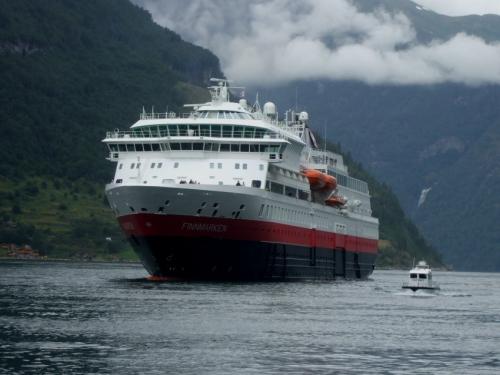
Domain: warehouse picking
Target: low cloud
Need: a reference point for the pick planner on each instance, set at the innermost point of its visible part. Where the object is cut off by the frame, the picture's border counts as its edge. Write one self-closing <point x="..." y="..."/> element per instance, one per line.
<point x="277" y="41"/>
<point x="462" y="7"/>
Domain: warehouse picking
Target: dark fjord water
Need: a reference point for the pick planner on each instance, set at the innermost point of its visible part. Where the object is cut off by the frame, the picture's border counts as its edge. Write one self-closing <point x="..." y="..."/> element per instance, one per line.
<point x="71" y="318"/>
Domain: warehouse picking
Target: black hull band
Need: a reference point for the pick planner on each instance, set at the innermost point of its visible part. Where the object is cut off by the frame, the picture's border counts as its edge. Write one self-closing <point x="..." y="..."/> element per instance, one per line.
<point x="213" y="259"/>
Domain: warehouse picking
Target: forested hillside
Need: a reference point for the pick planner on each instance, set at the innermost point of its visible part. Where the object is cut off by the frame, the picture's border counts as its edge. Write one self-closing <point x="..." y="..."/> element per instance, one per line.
<point x="71" y="70"/>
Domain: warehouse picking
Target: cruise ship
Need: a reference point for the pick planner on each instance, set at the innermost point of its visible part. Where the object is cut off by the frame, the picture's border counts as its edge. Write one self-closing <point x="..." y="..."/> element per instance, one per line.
<point x="229" y="191"/>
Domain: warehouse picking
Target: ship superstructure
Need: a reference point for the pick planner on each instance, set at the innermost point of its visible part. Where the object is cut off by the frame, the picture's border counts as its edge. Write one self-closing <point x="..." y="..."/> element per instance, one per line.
<point x="229" y="191"/>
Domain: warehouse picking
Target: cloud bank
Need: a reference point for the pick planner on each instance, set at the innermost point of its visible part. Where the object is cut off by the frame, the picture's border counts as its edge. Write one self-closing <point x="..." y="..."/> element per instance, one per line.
<point x="277" y="41"/>
<point x="462" y="7"/>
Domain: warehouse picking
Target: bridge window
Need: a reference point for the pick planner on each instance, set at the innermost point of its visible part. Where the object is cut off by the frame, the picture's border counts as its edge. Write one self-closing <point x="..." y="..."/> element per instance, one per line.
<point x="245" y="148"/>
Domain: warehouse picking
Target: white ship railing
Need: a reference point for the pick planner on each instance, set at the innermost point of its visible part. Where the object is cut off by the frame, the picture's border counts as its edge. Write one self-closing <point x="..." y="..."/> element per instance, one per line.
<point x="139" y="133"/>
<point x="165" y="115"/>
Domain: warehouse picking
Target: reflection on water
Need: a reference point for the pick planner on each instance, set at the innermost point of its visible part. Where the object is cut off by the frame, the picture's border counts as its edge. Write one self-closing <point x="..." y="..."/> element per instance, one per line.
<point x="104" y="318"/>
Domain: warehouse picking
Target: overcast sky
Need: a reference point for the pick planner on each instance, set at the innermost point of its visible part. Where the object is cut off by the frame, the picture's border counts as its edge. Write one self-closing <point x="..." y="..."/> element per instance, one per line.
<point x="278" y="41"/>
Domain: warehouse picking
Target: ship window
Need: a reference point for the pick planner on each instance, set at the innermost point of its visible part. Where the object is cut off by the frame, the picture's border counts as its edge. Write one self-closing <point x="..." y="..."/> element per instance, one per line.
<point x="221" y="183"/>
<point x="238" y="132"/>
<point x="153" y="165"/>
<point x="261" y="167"/>
<point x="422" y="276"/>
<point x="122" y="147"/>
<point x="216" y="132"/>
<point x="144" y="209"/>
<point x="235" y="148"/>
<point x="227" y="131"/>
<point x="167" y="203"/>
<point x="186" y="146"/>
<point x="413" y="275"/>
<point x="237" y="166"/>
<point x="215" y="205"/>
<point x="242" y="207"/>
<point x="120" y="166"/>
<point x="176" y="164"/>
<point x="113" y="147"/>
<point x="130" y="147"/>
<point x="214" y="213"/>
<point x="291" y="192"/>
<point x="244" y="165"/>
<point x="212" y="165"/>
<point x="119" y="181"/>
<point x="224" y="147"/>
<point x="245" y="148"/>
<point x="132" y="166"/>
<point x="182" y="130"/>
<point x="254" y="148"/>
<point x="175" y="146"/>
<point x="156" y="146"/>
<point x="256" y="183"/>
<point x="138" y="147"/>
<point x="160" y="165"/>
<point x="147" y="147"/>
<point x="131" y="208"/>
<point x="249" y="132"/>
<point x="138" y="165"/>
<point x="276" y="188"/>
<point x="160" y="209"/>
<point x="205" y="130"/>
<point x="219" y="165"/>
<point x="197" y="146"/>
<point x="210" y="147"/>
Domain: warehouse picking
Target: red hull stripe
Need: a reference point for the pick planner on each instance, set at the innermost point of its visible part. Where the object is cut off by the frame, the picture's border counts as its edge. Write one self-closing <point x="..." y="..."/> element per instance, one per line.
<point x="238" y="229"/>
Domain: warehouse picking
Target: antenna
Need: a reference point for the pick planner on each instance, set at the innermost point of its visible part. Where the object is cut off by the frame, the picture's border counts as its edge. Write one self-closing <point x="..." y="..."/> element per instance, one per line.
<point x="324" y="131"/>
<point x="296" y="98"/>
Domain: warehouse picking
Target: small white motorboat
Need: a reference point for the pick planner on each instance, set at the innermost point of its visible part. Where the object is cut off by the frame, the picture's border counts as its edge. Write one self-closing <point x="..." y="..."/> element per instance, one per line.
<point x="420" y="277"/>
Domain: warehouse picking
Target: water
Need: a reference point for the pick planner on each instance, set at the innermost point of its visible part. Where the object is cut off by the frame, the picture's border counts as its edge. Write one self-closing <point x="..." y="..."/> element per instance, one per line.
<point x="63" y="318"/>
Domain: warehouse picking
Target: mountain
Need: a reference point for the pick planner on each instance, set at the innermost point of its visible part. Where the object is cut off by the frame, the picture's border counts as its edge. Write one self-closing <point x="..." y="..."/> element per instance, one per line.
<point x="72" y="70"/>
<point x="437" y="144"/>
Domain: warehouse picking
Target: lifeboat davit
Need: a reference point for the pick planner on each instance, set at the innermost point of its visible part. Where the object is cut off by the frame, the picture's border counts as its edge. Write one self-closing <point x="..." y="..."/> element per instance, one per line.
<point x="335" y="201"/>
<point x="320" y="181"/>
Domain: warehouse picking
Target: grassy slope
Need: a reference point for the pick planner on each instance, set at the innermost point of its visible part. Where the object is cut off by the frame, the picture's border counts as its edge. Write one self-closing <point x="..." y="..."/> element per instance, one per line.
<point x="61" y="219"/>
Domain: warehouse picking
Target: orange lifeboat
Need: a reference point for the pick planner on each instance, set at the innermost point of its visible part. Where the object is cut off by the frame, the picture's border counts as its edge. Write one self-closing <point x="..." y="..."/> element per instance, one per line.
<point x="320" y="181"/>
<point x="335" y="201"/>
